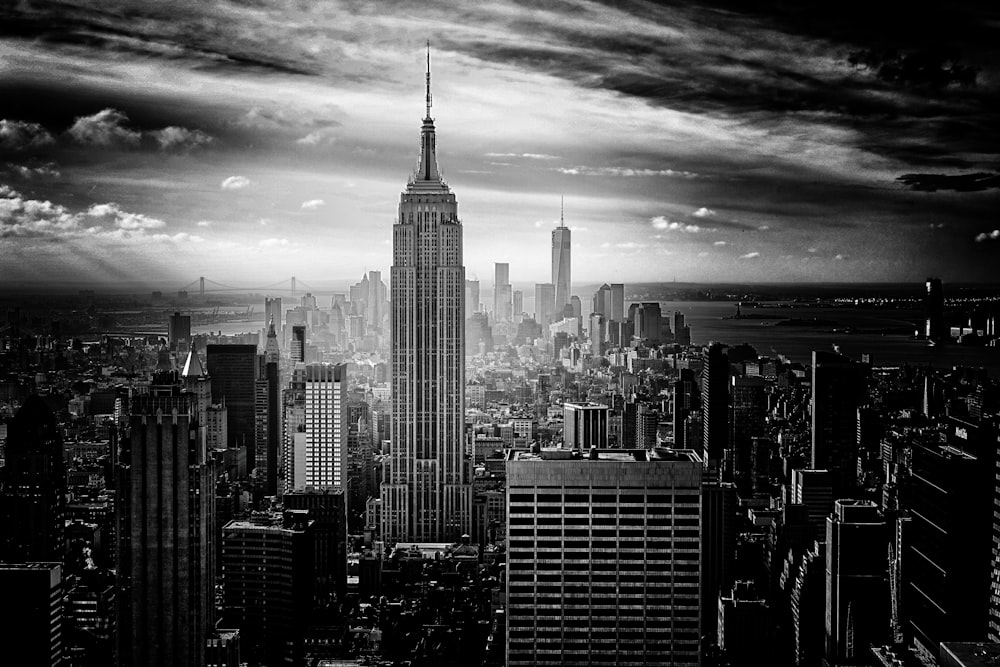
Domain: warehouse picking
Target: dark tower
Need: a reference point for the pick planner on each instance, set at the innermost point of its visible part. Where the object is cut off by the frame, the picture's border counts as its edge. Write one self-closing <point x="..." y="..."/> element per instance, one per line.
<point x="166" y="563"/>
<point x="714" y="406"/>
<point x="33" y="487"/>
<point x="233" y="371"/>
<point x="934" y="328"/>
<point x="837" y="385"/>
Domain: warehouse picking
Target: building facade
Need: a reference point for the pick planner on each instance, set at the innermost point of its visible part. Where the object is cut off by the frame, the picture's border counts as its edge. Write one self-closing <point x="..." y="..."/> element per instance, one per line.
<point x="427" y="495"/>
<point x="603" y="558"/>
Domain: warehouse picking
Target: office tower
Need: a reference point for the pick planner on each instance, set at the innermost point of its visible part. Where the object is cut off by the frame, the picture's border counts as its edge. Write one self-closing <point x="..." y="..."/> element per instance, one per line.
<point x="577" y="306"/>
<point x="814" y="490"/>
<point x="32" y="627"/>
<point x="618" y="302"/>
<point x="196" y="381"/>
<point x="934" y="325"/>
<point x="622" y="584"/>
<point x="647" y="321"/>
<point x="427" y="495"/>
<point x="328" y="508"/>
<point x="948" y="543"/>
<point x="233" y="369"/>
<point x="748" y="410"/>
<point x="857" y="584"/>
<point x="544" y="304"/>
<point x="519" y="303"/>
<point x="714" y="405"/>
<point x="471" y="297"/>
<point x="179" y="332"/>
<point x="297" y="349"/>
<point x="561" y="266"/>
<point x="267" y="584"/>
<point x="33" y="487"/>
<point x="166" y="558"/>
<point x="602" y="301"/>
<point x="838" y="385"/>
<point x="325" y="428"/>
<point x="682" y="401"/>
<point x="585" y="426"/>
<point x="647" y="422"/>
<point x="501" y="292"/>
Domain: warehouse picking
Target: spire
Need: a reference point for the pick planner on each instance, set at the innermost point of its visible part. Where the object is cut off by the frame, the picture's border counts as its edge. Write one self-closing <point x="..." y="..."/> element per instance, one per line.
<point x="270" y="328"/>
<point x="427" y="174"/>
<point x="192" y="366"/>
<point x="428" y="116"/>
<point x="562" y="210"/>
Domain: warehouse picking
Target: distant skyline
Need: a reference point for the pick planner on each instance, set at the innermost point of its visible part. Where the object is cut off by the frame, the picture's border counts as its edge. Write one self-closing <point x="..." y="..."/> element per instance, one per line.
<point x="159" y="142"/>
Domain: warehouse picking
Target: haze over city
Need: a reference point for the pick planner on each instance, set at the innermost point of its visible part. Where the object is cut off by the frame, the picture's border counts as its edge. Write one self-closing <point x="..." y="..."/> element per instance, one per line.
<point x="708" y="142"/>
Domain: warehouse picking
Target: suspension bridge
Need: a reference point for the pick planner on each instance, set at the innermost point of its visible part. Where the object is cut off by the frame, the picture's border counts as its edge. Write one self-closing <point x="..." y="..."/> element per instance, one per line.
<point x="203" y="286"/>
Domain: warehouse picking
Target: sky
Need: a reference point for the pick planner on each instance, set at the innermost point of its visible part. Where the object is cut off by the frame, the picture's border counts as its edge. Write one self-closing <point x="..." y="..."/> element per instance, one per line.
<point x="250" y="141"/>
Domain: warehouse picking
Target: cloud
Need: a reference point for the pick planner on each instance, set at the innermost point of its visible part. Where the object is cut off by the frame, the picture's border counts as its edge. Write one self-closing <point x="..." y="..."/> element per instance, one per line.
<point x="924" y="68"/>
<point x="988" y="236"/>
<point x="235" y="183"/>
<point x="104" y="128"/>
<point x="528" y="156"/>
<point x="719" y="243"/>
<point x="123" y="219"/>
<point x="750" y="255"/>
<point x="204" y="223"/>
<point x="703" y="213"/>
<point x="273" y="243"/>
<point x="578" y="229"/>
<point x="180" y="138"/>
<point x="813" y="250"/>
<point x="317" y="137"/>
<point x="838" y="257"/>
<point x="28" y="171"/>
<point x="18" y="135"/>
<point x="660" y="222"/>
<point x="312" y="204"/>
<point x="764" y="228"/>
<point x="960" y="183"/>
<point x="623" y="171"/>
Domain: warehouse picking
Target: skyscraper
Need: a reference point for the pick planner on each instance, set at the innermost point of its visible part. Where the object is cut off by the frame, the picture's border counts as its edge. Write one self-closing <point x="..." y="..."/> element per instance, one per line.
<point x="471" y="297"/>
<point x="32" y="626"/>
<point x="33" y="487"/>
<point x="621" y="584"/>
<point x="501" y="292"/>
<point x="857" y="585"/>
<point x="715" y="405"/>
<point x="544" y="309"/>
<point x="427" y="495"/>
<point x="325" y="426"/>
<point x="934" y="327"/>
<point x="618" y="302"/>
<point x="166" y="557"/>
<point x="837" y="385"/>
<point x="561" y="276"/>
<point x="233" y="371"/>
<point x="585" y="426"/>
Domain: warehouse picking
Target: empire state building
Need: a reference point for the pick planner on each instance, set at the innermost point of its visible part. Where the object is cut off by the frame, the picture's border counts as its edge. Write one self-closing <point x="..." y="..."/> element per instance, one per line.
<point x="427" y="495"/>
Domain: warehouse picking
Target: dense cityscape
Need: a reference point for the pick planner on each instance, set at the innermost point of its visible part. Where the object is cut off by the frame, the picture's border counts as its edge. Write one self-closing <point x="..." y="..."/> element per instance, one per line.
<point x="428" y="469"/>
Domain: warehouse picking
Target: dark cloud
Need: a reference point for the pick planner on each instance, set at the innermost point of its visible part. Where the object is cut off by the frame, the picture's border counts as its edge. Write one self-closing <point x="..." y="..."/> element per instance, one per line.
<point x="16" y="135"/>
<point x="961" y="183"/>
<point x="932" y="69"/>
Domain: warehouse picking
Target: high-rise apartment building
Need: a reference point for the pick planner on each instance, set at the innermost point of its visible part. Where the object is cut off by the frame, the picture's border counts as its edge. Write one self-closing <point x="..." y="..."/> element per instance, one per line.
<point x="33" y="487"/>
<point x="325" y="426"/>
<point x="561" y="267"/>
<point x="603" y="557"/>
<point x="427" y="493"/>
<point x="166" y="554"/>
